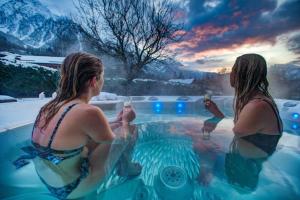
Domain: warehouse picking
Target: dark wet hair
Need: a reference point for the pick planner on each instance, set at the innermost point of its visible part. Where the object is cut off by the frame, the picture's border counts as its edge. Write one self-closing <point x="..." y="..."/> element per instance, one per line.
<point x="250" y="76"/>
<point x="76" y="70"/>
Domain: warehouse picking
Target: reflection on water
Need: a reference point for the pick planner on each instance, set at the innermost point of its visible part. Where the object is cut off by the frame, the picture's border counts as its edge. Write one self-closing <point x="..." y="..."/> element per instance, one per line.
<point x="174" y="154"/>
<point x="218" y="167"/>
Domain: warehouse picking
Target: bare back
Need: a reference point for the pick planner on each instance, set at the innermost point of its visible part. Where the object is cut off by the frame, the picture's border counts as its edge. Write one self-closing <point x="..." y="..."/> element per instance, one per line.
<point x="69" y="134"/>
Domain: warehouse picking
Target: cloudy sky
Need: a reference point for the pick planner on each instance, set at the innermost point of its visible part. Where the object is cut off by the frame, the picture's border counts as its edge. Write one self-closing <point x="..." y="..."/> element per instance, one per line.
<point x="217" y="31"/>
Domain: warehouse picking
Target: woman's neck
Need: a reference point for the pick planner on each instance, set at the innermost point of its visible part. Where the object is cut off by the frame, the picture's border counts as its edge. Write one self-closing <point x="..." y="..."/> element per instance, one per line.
<point x="85" y="98"/>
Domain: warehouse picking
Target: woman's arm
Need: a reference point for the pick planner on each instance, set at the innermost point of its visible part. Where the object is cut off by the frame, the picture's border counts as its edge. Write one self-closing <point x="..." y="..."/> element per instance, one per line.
<point x="91" y="144"/>
<point x="99" y="129"/>
<point x="96" y="126"/>
<point x="213" y="108"/>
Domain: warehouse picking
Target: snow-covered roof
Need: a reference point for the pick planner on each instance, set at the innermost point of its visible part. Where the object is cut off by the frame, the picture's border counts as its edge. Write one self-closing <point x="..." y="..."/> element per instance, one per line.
<point x="182" y="81"/>
<point x="42" y="59"/>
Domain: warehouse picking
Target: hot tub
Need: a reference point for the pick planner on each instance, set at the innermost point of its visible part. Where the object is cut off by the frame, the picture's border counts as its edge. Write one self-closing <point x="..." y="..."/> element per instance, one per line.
<point x="178" y="162"/>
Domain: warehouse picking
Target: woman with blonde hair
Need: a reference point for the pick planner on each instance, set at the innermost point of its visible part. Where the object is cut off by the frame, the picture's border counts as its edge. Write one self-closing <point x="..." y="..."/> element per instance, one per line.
<point x="71" y="139"/>
<point x="256" y="117"/>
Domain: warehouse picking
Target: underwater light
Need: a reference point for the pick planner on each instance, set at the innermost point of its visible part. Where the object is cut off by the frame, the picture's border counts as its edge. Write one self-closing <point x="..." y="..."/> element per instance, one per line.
<point x="295" y="126"/>
<point x="180" y="107"/>
<point x="296" y="115"/>
<point x="157" y="107"/>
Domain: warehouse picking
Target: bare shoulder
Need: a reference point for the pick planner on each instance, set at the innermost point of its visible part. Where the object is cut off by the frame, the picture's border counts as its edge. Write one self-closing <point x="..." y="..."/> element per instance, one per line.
<point x="256" y="107"/>
<point x="88" y="108"/>
<point x="86" y="112"/>
<point x="252" y="118"/>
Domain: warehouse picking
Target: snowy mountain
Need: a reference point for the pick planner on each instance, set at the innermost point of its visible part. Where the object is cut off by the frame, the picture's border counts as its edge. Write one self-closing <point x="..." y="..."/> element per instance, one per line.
<point x="285" y="80"/>
<point x="31" y="26"/>
<point x="287" y="71"/>
<point x="171" y="69"/>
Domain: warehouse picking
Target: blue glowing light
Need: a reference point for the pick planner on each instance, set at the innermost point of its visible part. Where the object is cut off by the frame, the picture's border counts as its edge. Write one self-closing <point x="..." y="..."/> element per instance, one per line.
<point x="157" y="107"/>
<point x="180" y="107"/>
<point x="296" y="115"/>
<point x="295" y="126"/>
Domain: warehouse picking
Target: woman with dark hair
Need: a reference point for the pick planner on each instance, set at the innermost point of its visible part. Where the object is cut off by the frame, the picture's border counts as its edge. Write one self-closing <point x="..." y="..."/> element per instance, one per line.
<point x="71" y="139"/>
<point x="257" y="124"/>
<point x="256" y="117"/>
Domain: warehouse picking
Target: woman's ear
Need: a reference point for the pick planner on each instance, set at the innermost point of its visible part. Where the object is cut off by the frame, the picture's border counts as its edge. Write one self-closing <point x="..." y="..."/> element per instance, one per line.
<point x="93" y="81"/>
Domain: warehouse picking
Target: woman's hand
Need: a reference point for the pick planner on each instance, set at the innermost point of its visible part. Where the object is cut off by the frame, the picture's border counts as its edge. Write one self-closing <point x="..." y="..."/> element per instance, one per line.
<point x="213" y="108"/>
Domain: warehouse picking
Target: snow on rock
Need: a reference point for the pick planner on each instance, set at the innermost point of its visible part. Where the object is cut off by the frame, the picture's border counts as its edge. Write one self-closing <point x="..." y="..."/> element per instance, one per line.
<point x="54" y="94"/>
<point x="105" y="96"/>
<point x="42" y="95"/>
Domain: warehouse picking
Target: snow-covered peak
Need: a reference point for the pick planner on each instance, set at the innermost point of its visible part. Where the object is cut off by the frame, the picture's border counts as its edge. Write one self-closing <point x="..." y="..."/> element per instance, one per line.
<point x="24" y="9"/>
<point x="29" y="24"/>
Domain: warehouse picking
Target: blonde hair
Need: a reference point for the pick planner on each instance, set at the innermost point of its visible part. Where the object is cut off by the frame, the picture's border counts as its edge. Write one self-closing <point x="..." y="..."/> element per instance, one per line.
<point x="250" y="77"/>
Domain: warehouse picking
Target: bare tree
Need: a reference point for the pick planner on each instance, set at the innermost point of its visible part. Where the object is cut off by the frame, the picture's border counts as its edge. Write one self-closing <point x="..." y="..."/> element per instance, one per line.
<point x="135" y="31"/>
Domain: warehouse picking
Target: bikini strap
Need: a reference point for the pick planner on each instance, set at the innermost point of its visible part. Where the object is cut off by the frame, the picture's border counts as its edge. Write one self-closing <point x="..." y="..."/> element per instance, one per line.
<point x="59" y="122"/>
<point x="279" y="122"/>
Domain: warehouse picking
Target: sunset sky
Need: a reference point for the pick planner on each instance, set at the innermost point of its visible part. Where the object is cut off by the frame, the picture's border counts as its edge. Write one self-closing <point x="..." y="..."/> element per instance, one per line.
<point x="217" y="31"/>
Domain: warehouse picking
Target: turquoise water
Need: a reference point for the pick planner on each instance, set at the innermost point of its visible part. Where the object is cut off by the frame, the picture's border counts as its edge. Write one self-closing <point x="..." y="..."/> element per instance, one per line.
<point x="178" y="162"/>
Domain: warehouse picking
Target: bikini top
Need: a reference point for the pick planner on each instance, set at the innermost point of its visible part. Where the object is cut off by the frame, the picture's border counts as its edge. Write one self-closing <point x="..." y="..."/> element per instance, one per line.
<point x="48" y="153"/>
<point x="266" y="142"/>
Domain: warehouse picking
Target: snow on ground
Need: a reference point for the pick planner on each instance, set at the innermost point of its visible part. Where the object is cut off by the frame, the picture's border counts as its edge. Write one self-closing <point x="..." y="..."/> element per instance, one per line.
<point x="15" y="114"/>
<point x="29" y="61"/>
<point x="5" y="97"/>
<point x="41" y="59"/>
<point x="24" y="111"/>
